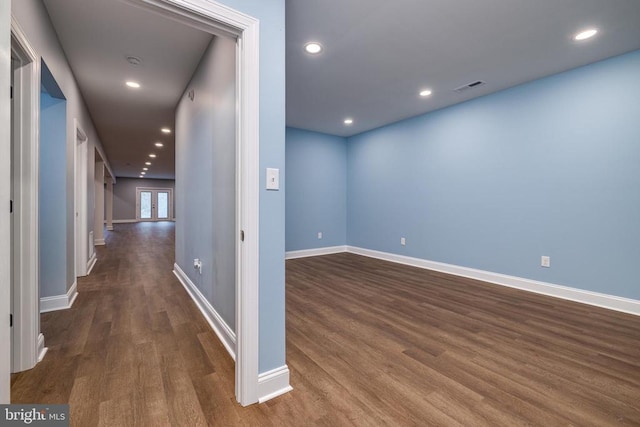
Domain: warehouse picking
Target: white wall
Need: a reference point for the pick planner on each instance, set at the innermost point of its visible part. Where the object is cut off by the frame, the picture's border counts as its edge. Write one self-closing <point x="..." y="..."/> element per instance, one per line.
<point x="205" y="178"/>
<point x="34" y="20"/>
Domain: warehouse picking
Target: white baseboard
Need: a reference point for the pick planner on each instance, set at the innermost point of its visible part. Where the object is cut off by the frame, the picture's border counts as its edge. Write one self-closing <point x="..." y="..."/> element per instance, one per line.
<point x="92" y="262"/>
<point x="273" y="384"/>
<point x="42" y="350"/>
<point x="59" y="302"/>
<point x="72" y="293"/>
<point x="315" y="252"/>
<point x="611" y="302"/>
<point x="226" y="335"/>
<point x="98" y="242"/>
<point x="123" y="221"/>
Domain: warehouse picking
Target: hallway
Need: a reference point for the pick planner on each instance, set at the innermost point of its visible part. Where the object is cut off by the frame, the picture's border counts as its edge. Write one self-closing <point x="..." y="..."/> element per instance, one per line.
<point x="133" y="349"/>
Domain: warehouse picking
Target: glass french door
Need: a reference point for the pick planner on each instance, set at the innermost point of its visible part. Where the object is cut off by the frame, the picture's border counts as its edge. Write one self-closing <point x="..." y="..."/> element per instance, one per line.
<point x="154" y="204"/>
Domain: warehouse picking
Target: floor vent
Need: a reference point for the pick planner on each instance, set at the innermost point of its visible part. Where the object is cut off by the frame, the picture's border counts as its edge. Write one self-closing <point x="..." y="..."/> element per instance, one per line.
<point x="470" y="86"/>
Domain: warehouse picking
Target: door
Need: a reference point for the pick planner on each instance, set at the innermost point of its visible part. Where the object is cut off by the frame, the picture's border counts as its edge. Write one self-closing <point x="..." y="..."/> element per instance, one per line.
<point x="154" y="204"/>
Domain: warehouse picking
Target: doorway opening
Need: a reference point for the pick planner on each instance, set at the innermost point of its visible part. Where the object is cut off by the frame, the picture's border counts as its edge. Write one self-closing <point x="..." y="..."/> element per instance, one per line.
<point x="220" y="20"/>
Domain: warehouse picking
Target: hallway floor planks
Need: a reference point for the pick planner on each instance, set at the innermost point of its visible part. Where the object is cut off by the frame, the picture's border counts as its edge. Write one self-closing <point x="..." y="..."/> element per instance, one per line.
<point x="368" y="343"/>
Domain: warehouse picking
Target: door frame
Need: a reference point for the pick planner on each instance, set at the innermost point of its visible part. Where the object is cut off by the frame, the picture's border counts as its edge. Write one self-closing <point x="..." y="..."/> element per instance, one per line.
<point x="5" y="194"/>
<point x="221" y="20"/>
<point x="80" y="208"/>
<point x="27" y="341"/>
<point x="154" y="216"/>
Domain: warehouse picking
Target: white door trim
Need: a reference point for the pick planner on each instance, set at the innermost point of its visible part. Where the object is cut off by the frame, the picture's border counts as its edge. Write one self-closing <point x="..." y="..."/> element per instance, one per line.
<point x="5" y="194"/>
<point x="26" y="312"/>
<point x="80" y="174"/>
<point x="218" y="19"/>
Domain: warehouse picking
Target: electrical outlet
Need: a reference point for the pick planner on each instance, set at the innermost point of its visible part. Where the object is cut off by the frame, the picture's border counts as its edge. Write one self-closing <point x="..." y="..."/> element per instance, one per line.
<point x="319" y="235"/>
<point x="403" y="241"/>
<point x="197" y="264"/>
<point x="545" y="261"/>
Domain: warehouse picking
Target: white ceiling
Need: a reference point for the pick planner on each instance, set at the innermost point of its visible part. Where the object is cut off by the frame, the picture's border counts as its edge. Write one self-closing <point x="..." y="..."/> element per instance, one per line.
<point x="377" y="55"/>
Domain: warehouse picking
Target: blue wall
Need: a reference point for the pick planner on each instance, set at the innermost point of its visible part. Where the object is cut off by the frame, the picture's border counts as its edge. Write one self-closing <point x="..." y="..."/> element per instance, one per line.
<point x="271" y="14"/>
<point x="53" y="196"/>
<point x="205" y="178"/>
<point x="316" y="190"/>
<point x="551" y="167"/>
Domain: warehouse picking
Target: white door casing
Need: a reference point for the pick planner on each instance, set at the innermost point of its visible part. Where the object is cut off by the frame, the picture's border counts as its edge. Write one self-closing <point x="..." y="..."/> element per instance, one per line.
<point x="25" y="253"/>
<point x="5" y="191"/>
<point x="218" y="19"/>
<point x="80" y="160"/>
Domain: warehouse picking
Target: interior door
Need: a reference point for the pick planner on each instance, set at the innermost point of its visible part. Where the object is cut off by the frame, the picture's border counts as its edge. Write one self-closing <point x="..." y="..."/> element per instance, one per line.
<point x="154" y="204"/>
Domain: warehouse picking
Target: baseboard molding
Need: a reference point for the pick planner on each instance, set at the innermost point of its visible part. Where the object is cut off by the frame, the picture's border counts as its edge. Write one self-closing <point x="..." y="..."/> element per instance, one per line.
<point x="92" y="262"/>
<point x="273" y="384"/>
<point x="98" y="242"/>
<point x="72" y="293"/>
<point x="59" y="302"/>
<point x="42" y="350"/>
<point x="611" y="302"/>
<point x="315" y="252"/>
<point x="226" y="335"/>
<point x="123" y="221"/>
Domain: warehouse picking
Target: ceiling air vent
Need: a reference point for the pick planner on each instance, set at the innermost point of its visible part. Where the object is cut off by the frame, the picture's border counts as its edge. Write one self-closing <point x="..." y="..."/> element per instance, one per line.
<point x="470" y="86"/>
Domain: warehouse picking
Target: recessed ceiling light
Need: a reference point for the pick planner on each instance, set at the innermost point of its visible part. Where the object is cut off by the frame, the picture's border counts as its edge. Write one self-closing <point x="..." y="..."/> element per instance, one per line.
<point x="152" y="155"/>
<point x="425" y="92"/>
<point x="165" y="130"/>
<point x="145" y="169"/>
<point x="133" y="85"/>
<point x="586" y="34"/>
<point x="348" y="121"/>
<point x="141" y="176"/>
<point x="313" y="48"/>
<point x="159" y="144"/>
<point x="142" y="173"/>
<point x="147" y="163"/>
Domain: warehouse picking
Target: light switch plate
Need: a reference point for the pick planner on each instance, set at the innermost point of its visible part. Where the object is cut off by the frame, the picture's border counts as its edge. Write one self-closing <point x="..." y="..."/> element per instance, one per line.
<point x="273" y="179"/>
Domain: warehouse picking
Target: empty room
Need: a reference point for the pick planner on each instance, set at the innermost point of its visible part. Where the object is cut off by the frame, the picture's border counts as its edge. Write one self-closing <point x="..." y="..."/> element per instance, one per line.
<point x="276" y="212"/>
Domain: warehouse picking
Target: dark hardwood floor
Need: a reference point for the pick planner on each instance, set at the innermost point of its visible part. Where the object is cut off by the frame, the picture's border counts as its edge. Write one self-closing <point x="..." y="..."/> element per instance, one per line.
<point x="368" y="343"/>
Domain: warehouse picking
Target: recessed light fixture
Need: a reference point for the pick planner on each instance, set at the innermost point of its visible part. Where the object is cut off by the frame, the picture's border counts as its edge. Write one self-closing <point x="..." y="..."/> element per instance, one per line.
<point x="165" y="130"/>
<point x="142" y="173"/>
<point x="152" y="155"/>
<point x="425" y="92"/>
<point x="348" y="121"/>
<point x="159" y="144"/>
<point x="586" y="34"/>
<point x="313" y="48"/>
<point x="141" y="176"/>
<point x="147" y="163"/>
<point x="145" y="169"/>
<point x="133" y="85"/>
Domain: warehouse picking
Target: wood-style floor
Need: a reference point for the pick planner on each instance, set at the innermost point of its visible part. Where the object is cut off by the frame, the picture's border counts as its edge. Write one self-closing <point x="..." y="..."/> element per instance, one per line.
<point x="368" y="343"/>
